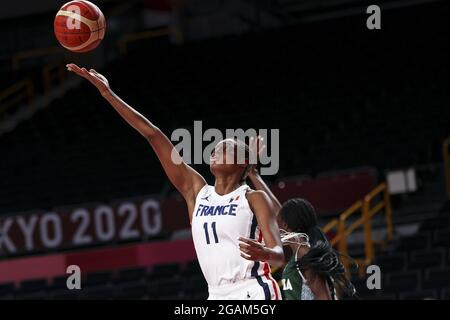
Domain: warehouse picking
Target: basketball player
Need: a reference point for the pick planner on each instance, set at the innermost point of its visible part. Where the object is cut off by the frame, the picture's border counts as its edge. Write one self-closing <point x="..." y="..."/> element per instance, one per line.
<point x="228" y="220"/>
<point x="314" y="271"/>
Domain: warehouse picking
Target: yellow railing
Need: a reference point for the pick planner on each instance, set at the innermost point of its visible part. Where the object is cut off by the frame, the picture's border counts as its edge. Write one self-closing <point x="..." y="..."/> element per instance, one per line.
<point x="20" y="92"/>
<point x="365" y="221"/>
<point x="446" y="156"/>
<point x="126" y="39"/>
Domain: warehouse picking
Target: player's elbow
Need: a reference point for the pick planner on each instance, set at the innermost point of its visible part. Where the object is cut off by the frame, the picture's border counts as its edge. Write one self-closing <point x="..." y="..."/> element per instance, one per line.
<point x="277" y="257"/>
<point x="150" y="132"/>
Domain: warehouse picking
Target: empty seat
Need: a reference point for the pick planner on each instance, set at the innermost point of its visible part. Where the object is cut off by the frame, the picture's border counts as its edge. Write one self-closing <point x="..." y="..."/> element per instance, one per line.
<point x="99" y="292"/>
<point x="192" y="268"/>
<point x="416" y="242"/>
<point x="152" y="288"/>
<point x="436" y="278"/>
<point x="420" y="295"/>
<point x="445" y="293"/>
<point x="169" y="286"/>
<point x="32" y="286"/>
<point x="442" y="238"/>
<point x="58" y="283"/>
<point x="435" y="223"/>
<point x="201" y="295"/>
<point x="40" y="295"/>
<point x="165" y="270"/>
<point x="194" y="284"/>
<point x="402" y="281"/>
<point x="6" y="289"/>
<point x="131" y="291"/>
<point x="97" y="278"/>
<point x="131" y="274"/>
<point x="425" y="259"/>
<point x="65" y="294"/>
<point x="382" y="296"/>
<point x="393" y="262"/>
<point x="175" y="296"/>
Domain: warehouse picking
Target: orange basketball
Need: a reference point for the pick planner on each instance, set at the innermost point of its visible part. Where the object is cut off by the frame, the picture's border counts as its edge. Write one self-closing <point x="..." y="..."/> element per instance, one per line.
<point x="79" y="26"/>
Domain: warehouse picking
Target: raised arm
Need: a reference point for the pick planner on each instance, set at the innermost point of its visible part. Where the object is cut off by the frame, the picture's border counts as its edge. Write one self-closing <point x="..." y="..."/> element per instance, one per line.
<point x="257" y="146"/>
<point x="272" y="249"/>
<point x="187" y="181"/>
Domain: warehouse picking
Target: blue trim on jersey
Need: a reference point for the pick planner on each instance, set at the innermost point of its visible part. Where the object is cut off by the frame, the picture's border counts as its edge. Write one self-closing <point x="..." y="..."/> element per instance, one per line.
<point x="254" y="272"/>
<point x="253" y="227"/>
<point x="265" y="287"/>
<point x="255" y="267"/>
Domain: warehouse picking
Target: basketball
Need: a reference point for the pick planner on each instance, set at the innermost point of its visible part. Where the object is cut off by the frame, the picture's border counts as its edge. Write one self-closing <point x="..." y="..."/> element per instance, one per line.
<point x="79" y="26"/>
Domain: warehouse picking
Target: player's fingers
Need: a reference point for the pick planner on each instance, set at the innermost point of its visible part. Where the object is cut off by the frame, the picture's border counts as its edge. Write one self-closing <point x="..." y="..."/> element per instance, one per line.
<point x="95" y="73"/>
<point x="247" y="257"/>
<point x="99" y="76"/>
<point x="251" y="242"/>
<point x="74" y="68"/>
<point x="82" y="72"/>
<point x="245" y="251"/>
<point x="246" y="240"/>
<point x="250" y="251"/>
<point x="85" y="72"/>
<point x="261" y="149"/>
<point x="243" y="245"/>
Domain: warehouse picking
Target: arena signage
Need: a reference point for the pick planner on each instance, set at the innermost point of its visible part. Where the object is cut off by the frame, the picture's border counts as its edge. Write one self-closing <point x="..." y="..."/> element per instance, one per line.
<point x="80" y="226"/>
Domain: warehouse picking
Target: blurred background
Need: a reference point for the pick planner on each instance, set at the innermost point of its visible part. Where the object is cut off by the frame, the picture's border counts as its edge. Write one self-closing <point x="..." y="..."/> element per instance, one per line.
<point x="363" y="117"/>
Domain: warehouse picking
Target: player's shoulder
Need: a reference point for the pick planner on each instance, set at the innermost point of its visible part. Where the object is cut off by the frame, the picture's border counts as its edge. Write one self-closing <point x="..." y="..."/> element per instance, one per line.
<point x="256" y="196"/>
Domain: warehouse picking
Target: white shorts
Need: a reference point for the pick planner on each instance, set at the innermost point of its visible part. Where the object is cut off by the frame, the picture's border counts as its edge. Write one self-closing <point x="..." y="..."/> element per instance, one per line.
<point x="259" y="288"/>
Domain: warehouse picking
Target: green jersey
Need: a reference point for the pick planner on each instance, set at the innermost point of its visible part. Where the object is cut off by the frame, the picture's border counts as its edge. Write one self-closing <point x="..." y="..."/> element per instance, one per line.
<point x="294" y="285"/>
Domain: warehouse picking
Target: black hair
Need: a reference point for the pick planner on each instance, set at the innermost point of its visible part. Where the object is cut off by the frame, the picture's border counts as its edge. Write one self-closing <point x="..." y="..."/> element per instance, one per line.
<point x="300" y="216"/>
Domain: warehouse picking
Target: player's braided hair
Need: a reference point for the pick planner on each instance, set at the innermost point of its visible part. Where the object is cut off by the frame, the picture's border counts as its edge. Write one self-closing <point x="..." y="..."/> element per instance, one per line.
<point x="322" y="259"/>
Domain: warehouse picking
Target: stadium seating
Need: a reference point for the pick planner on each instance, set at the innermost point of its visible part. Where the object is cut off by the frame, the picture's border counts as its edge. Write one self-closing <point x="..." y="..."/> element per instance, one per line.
<point x="82" y="139"/>
<point x="409" y="271"/>
<point x="418" y="266"/>
<point x="79" y="150"/>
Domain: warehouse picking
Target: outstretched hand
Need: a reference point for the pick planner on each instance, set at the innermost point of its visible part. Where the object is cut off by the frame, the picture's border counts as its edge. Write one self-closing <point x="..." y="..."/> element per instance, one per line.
<point x="257" y="145"/>
<point x="98" y="80"/>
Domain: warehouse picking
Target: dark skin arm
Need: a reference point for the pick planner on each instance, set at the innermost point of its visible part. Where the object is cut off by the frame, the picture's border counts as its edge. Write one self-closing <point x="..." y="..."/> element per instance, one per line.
<point x="257" y="146"/>
<point x="259" y="184"/>
<point x="272" y="249"/>
<point x="185" y="179"/>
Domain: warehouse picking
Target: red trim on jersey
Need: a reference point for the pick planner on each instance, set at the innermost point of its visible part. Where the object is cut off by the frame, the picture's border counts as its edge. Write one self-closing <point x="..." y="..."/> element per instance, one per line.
<point x="260" y="236"/>
<point x="269" y="277"/>
<point x="267" y="271"/>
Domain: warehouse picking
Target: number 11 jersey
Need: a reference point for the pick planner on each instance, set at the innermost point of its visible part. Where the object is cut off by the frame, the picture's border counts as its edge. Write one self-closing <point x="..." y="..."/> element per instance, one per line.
<point x="217" y="223"/>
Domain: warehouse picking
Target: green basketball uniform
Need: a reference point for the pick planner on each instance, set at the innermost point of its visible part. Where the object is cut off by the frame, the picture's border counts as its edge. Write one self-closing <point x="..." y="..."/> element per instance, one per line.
<point x="294" y="284"/>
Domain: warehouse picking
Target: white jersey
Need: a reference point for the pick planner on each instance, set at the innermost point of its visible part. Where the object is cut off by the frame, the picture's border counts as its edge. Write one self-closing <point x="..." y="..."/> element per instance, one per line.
<point x="217" y="223"/>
